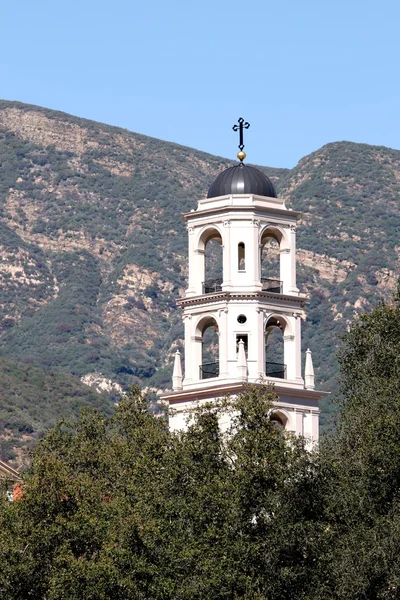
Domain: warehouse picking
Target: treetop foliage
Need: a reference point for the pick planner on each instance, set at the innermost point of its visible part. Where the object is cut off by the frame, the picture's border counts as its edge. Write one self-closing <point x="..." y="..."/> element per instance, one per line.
<point x="119" y="507"/>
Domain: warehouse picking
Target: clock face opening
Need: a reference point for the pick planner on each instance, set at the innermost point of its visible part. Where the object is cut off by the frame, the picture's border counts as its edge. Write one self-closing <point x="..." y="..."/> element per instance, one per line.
<point x="242" y="319"/>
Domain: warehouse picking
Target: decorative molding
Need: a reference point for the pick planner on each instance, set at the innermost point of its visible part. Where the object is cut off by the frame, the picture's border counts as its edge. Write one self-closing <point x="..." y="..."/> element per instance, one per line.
<point x="274" y="299"/>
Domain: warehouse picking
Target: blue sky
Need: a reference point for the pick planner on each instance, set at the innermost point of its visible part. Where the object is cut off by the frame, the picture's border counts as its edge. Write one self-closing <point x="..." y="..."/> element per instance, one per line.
<point x="302" y="72"/>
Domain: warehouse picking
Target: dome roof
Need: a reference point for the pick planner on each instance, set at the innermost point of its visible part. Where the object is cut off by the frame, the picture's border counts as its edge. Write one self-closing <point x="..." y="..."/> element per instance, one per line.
<point x="241" y="179"/>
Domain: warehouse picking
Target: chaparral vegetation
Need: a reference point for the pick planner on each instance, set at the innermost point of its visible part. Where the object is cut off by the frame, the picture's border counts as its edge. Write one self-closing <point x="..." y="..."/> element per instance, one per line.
<point x="94" y="253"/>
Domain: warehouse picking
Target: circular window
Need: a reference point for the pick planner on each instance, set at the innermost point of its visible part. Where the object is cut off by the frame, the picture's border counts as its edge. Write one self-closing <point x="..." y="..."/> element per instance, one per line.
<point x="242" y="319"/>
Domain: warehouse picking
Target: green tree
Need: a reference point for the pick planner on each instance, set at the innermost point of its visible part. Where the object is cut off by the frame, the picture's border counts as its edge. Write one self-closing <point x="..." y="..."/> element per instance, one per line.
<point x="121" y="508"/>
<point x="274" y="480"/>
<point x="361" y="463"/>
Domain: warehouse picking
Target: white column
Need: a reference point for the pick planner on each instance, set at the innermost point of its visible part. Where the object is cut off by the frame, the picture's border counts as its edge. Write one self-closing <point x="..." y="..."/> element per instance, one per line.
<point x="311" y="427"/>
<point x="260" y="340"/>
<point x="297" y="335"/>
<point x="189" y="349"/>
<point x="256" y="256"/>
<point x="284" y="269"/>
<point x="223" y="343"/>
<point x="226" y="256"/>
<point x="288" y="263"/>
<point x="292" y="350"/>
<point x="289" y="352"/>
<point x="191" y="289"/>
<point x="299" y="422"/>
<point x="292" y="288"/>
<point x="315" y="426"/>
<point x="197" y="354"/>
<point x="197" y="275"/>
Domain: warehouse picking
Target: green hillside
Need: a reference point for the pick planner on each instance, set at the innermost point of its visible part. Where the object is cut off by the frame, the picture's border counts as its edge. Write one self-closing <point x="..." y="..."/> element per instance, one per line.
<point x="32" y="400"/>
<point x="93" y="247"/>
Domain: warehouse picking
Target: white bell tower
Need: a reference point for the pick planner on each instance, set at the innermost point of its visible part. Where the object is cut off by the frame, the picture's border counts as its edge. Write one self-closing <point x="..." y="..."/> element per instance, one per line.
<point x="241" y="308"/>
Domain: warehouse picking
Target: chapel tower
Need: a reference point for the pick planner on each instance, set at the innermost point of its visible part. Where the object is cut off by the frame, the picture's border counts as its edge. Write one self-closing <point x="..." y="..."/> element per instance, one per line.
<point x="243" y="327"/>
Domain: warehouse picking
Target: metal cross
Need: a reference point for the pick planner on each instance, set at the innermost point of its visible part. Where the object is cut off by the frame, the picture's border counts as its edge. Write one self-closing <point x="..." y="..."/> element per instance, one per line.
<point x="242" y="125"/>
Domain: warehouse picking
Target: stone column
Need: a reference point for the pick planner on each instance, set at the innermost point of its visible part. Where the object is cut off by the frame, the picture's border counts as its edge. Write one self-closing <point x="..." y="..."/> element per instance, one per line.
<point x="226" y="256"/>
<point x="223" y="343"/>
<point x="190" y="356"/>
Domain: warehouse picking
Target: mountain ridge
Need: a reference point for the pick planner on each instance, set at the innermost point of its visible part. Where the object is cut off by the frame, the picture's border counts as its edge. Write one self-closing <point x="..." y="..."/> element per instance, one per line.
<point x="93" y="246"/>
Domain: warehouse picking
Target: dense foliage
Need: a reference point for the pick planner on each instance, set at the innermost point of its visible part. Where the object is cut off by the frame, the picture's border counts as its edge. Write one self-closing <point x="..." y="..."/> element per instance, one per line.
<point x="362" y="462"/>
<point x="121" y="508"/>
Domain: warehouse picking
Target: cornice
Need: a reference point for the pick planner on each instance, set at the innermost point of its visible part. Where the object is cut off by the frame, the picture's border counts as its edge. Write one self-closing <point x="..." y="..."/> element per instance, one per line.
<point x="223" y="210"/>
<point x="220" y="390"/>
<point x="297" y="301"/>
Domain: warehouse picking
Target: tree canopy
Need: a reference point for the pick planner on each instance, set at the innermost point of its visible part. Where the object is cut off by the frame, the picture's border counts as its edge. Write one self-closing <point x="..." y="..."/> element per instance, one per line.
<point x="362" y="461"/>
<point x="121" y="508"/>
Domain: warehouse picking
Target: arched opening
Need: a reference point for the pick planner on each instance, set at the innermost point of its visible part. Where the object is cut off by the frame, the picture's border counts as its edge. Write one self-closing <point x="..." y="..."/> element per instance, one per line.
<point x="209" y="349"/>
<point x="241" y="257"/>
<point x="279" y="420"/>
<point x="274" y="348"/>
<point x="213" y="266"/>
<point x="270" y="260"/>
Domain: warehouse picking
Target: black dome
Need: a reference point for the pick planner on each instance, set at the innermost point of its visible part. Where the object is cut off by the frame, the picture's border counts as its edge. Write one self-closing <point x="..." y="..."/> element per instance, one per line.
<point x="241" y="179"/>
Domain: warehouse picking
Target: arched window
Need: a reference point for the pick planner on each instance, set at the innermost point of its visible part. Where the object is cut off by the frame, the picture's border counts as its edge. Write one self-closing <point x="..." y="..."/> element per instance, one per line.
<point x="209" y="350"/>
<point x="274" y="349"/>
<point x="241" y="257"/>
<point x="213" y="274"/>
<point x="278" y="420"/>
<point x="270" y="263"/>
<point x="270" y="260"/>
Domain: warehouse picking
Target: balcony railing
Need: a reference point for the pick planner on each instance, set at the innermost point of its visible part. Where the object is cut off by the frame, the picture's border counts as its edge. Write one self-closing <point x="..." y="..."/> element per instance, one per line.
<point x="209" y="370"/>
<point x="271" y="285"/>
<point x="212" y="285"/>
<point x="277" y="370"/>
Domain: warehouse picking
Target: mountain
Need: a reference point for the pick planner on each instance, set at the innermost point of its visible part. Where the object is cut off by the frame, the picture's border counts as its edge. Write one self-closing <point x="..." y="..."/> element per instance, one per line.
<point x="34" y="399"/>
<point x="93" y="245"/>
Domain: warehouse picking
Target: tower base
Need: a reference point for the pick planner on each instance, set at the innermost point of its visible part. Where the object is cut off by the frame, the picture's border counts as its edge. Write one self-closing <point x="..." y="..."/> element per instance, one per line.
<point x="297" y="409"/>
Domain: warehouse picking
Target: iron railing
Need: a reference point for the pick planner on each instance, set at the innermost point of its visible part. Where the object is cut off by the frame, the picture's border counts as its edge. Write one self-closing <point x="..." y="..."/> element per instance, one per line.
<point x="209" y="370"/>
<point x="271" y="285"/>
<point x="212" y="285"/>
<point x="277" y="370"/>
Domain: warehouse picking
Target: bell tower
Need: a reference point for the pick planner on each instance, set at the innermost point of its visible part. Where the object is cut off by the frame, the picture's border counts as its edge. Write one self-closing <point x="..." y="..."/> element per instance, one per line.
<point x="241" y="326"/>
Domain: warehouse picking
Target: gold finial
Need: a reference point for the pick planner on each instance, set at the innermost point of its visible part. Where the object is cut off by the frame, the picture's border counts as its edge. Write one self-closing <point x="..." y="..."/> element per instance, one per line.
<point x="241" y="155"/>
